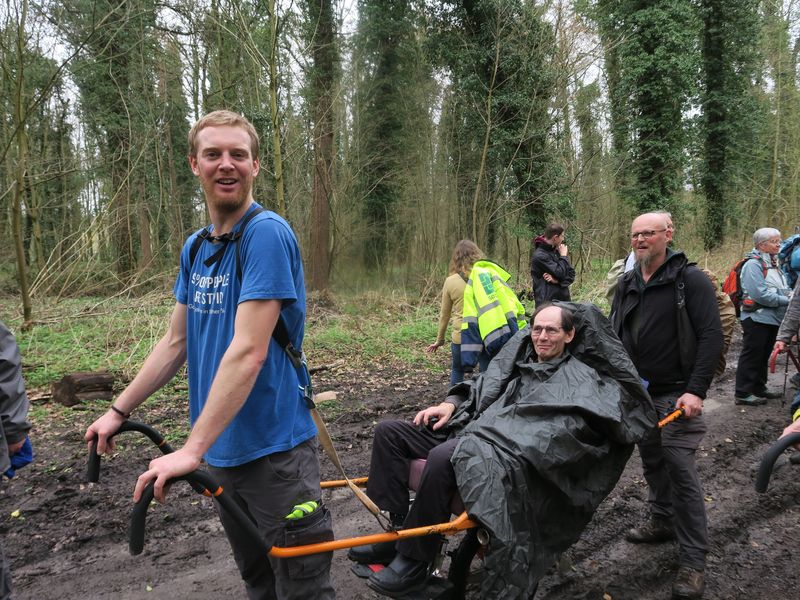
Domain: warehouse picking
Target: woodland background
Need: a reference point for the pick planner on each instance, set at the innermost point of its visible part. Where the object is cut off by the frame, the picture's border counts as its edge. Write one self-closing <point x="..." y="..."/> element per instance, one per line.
<point x="390" y="129"/>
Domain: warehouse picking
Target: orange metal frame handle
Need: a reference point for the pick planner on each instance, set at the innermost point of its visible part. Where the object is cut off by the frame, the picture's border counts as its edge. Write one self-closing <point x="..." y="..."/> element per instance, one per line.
<point x="670" y="418"/>
<point x="359" y="481"/>
<point x="460" y="523"/>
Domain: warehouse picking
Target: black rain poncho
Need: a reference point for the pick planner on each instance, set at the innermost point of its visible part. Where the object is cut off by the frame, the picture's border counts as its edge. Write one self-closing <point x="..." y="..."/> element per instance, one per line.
<point x="542" y="444"/>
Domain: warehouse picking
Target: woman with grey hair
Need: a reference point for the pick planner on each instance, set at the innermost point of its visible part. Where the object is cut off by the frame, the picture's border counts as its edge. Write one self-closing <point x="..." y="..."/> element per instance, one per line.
<point x="765" y="297"/>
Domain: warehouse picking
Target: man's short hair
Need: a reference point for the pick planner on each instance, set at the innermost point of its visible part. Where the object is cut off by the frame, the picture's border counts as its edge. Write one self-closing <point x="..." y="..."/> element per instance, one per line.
<point x="223" y="118"/>
<point x="553" y="229"/>
<point x="567" y="316"/>
<point x="763" y="234"/>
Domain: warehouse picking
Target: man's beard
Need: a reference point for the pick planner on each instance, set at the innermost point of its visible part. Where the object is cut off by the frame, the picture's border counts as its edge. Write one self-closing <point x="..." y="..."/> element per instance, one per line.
<point x="644" y="259"/>
<point x="227" y="204"/>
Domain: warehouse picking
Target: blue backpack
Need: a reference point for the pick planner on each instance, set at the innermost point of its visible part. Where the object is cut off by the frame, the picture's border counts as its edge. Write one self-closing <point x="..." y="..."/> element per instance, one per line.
<point x="789" y="258"/>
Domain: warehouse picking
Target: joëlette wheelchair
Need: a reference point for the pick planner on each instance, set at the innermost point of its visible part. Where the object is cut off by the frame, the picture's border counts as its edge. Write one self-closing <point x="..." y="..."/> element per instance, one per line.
<point x="440" y="585"/>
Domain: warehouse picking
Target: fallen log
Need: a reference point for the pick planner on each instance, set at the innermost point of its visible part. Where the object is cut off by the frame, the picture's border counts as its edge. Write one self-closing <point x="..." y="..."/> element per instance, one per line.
<point x="320" y="368"/>
<point x="77" y="387"/>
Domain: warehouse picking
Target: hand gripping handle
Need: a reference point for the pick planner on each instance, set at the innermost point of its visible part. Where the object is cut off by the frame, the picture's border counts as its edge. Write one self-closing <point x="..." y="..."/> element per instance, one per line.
<point x="198" y="480"/>
<point x="774" y="451"/>
<point x="93" y="466"/>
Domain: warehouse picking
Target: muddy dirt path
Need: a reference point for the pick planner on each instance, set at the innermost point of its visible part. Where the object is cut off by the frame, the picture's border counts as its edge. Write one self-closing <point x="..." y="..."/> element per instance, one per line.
<point x="70" y="538"/>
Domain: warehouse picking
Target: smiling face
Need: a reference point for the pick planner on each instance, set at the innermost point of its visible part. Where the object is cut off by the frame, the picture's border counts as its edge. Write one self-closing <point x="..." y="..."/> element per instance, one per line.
<point x="225" y="166"/>
<point x="548" y="335"/>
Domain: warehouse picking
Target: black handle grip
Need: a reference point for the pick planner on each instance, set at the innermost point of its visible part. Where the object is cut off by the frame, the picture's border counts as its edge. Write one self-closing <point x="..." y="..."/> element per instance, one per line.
<point x="774" y="451"/>
<point x="138" y="518"/>
<point x="93" y="465"/>
<point x="200" y="481"/>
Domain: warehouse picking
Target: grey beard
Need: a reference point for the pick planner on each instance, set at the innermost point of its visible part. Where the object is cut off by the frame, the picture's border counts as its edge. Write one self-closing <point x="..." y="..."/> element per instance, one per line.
<point x="644" y="261"/>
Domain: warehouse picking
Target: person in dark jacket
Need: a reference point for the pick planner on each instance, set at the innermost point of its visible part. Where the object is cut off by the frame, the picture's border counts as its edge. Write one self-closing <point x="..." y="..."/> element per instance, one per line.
<point x="551" y="271"/>
<point x="675" y="351"/>
<point x="15" y="426"/>
<point x="534" y="499"/>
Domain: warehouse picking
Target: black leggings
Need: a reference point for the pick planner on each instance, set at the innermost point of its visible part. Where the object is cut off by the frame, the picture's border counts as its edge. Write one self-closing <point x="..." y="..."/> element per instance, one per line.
<point x="751" y="371"/>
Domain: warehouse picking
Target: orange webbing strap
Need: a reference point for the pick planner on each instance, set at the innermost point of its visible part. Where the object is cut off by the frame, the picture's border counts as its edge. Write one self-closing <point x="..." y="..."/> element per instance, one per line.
<point x="327" y="445"/>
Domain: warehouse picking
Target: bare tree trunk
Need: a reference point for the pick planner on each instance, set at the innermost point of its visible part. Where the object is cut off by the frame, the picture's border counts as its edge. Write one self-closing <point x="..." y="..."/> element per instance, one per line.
<point x="322" y="81"/>
<point x="176" y="222"/>
<point x="16" y="224"/>
<point x="277" y="157"/>
<point x="476" y="229"/>
<point x="22" y="159"/>
<point x="146" y="254"/>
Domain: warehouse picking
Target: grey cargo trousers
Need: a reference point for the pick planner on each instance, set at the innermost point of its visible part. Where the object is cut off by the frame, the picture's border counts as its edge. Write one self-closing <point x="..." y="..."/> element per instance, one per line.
<point x="267" y="489"/>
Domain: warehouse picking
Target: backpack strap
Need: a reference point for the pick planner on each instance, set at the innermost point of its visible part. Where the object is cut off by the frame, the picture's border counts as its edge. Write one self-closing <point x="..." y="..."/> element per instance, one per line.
<point x="198" y="241"/>
<point x="281" y="335"/>
<point x="237" y="235"/>
<point x="687" y="339"/>
<point x="234" y="236"/>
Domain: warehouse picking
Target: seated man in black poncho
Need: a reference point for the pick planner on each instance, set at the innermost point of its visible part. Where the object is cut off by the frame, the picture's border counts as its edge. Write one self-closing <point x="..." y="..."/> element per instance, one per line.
<point x="520" y="437"/>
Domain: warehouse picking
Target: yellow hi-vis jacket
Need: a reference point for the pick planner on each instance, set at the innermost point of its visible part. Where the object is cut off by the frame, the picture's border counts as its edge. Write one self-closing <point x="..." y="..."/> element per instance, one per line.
<point x="492" y="312"/>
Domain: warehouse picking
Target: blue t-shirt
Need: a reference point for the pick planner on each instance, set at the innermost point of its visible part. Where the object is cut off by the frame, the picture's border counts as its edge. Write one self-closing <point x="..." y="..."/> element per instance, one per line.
<point x="275" y="417"/>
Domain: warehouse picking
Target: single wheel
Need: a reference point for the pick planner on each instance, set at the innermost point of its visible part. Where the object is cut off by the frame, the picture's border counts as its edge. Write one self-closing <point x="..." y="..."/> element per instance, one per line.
<point x="771" y="455"/>
<point x="460" y="563"/>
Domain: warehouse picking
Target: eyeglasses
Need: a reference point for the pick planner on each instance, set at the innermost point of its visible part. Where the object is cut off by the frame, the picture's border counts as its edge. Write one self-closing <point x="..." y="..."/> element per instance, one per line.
<point x="646" y="234"/>
<point x="549" y="330"/>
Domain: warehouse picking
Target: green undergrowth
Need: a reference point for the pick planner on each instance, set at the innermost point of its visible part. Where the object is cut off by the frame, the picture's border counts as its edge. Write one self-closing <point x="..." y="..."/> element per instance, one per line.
<point x="384" y="329"/>
<point x="93" y="334"/>
<point x="90" y="334"/>
<point x="371" y="328"/>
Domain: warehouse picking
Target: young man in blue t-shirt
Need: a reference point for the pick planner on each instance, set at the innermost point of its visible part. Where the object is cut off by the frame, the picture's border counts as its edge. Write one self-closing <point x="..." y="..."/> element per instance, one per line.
<point x="249" y="420"/>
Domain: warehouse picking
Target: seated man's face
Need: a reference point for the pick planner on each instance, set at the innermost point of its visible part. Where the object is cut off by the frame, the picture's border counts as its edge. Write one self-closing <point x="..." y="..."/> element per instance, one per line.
<point x="549" y="338"/>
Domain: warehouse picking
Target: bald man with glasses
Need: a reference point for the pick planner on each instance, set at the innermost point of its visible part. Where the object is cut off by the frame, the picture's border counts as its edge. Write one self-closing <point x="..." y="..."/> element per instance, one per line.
<point x="665" y="312"/>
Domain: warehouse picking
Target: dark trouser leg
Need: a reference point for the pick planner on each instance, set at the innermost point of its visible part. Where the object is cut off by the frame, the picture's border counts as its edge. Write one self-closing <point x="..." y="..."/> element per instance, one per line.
<point x="432" y="502"/>
<point x="691" y="526"/>
<point x="267" y="489"/>
<point x="5" y="577"/>
<point x="659" y="494"/>
<point x="751" y="370"/>
<point x="668" y="457"/>
<point x="396" y="443"/>
<point x="456" y="370"/>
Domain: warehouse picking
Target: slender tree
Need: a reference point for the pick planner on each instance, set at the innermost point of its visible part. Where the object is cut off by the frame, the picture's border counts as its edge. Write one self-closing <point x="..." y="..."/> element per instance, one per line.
<point x="388" y="106"/>
<point x="730" y="59"/>
<point x="323" y="82"/>
<point x="499" y="56"/>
